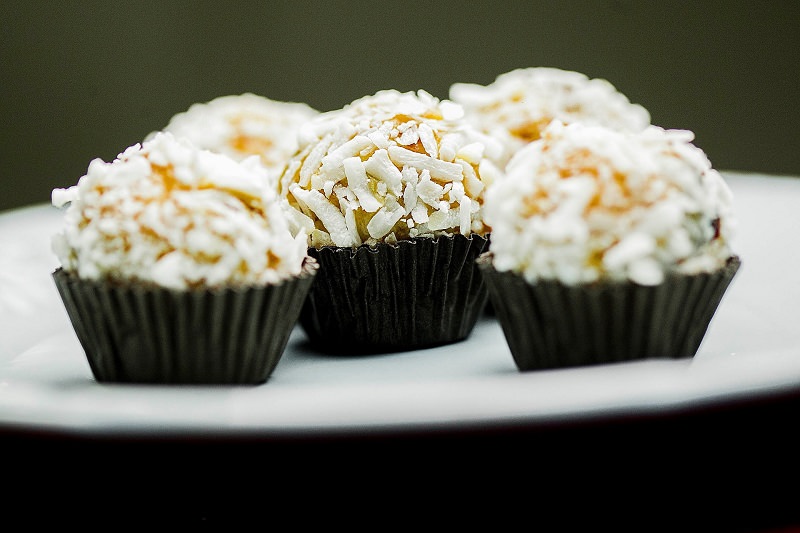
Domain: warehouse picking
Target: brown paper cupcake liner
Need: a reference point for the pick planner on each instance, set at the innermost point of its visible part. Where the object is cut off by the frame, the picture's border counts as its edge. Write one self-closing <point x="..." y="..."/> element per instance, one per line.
<point x="552" y="325"/>
<point x="417" y="293"/>
<point x="140" y="334"/>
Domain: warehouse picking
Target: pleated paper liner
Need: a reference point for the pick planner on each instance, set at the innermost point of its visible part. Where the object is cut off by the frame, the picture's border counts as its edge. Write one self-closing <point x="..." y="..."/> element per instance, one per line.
<point x="414" y="294"/>
<point x="140" y="334"/>
<point x="551" y="325"/>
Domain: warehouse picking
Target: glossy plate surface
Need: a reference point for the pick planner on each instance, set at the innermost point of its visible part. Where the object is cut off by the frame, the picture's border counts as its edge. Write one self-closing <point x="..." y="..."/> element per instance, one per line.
<point x="752" y="348"/>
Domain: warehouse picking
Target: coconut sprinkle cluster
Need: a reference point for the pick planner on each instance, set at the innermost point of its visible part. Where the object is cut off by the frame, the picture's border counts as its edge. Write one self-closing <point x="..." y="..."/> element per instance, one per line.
<point x="587" y="203"/>
<point x="167" y="213"/>
<point x="387" y="167"/>
<point x="519" y="104"/>
<point x="243" y="125"/>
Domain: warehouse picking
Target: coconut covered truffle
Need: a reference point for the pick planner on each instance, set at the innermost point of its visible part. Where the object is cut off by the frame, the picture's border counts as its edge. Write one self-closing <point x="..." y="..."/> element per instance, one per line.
<point x="390" y="190"/>
<point x="178" y="266"/>
<point x="608" y="246"/>
<point x="168" y="214"/>
<point x="389" y="167"/>
<point x="244" y="125"/>
<point x="585" y="203"/>
<point x="519" y="104"/>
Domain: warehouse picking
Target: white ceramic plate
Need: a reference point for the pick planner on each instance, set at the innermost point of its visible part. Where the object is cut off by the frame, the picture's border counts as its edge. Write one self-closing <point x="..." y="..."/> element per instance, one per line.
<point x="752" y="348"/>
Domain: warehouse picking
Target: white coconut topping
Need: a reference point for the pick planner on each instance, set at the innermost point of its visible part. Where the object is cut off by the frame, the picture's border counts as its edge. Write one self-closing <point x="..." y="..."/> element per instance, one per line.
<point x="587" y="203"/>
<point x="390" y="166"/>
<point x="168" y="213"/>
<point x="243" y="125"/>
<point x="519" y="104"/>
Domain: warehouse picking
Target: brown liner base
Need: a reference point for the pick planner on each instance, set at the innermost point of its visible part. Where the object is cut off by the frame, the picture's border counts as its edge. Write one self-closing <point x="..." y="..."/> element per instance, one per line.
<point x="141" y="334"/>
<point x="389" y="298"/>
<point x="552" y="325"/>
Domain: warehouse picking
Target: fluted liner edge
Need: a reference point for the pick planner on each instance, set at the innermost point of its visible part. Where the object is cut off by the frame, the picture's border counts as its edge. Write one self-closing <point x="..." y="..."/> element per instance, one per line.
<point x="395" y="297"/>
<point x="552" y="325"/>
<point x="142" y="334"/>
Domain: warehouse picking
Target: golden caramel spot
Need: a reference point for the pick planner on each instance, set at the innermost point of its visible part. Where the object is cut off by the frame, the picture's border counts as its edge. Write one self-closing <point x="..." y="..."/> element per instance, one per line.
<point x="416" y="147"/>
<point x="147" y="231"/>
<point x="530" y="131"/>
<point x="432" y="115"/>
<point x="246" y="144"/>
<point x="372" y="185"/>
<point x="126" y="243"/>
<point x="334" y="199"/>
<point x="273" y="261"/>
<point x="367" y="153"/>
<point x="580" y="163"/>
<point x="532" y="203"/>
<point x="107" y="211"/>
<point x="401" y="231"/>
<point x="401" y="118"/>
<point x="203" y="257"/>
<point x="167" y="175"/>
<point x="362" y="218"/>
<point x="613" y="193"/>
<point x="293" y="202"/>
<point x="595" y="259"/>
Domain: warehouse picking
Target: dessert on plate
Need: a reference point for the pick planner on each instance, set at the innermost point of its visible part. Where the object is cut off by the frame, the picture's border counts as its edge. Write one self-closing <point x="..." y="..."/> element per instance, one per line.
<point x="390" y="190"/>
<point x="242" y="125"/>
<point x="608" y="246"/>
<point x="177" y="265"/>
<point x="518" y="105"/>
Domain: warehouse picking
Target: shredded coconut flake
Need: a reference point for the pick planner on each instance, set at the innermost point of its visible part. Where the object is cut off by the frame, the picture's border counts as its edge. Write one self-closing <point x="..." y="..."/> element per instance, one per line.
<point x="244" y="125"/>
<point x="168" y="213"/>
<point x="519" y="104"/>
<point x="585" y="203"/>
<point x="404" y="157"/>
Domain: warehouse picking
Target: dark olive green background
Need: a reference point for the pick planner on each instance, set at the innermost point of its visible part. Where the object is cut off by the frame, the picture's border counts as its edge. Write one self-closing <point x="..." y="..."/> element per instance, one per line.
<point x="86" y="79"/>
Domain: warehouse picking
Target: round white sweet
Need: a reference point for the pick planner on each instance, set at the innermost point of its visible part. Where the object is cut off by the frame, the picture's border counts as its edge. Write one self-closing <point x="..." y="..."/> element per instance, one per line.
<point x="243" y="125"/>
<point x="168" y="213"/>
<point x="519" y="104"/>
<point x="387" y="167"/>
<point x="587" y="203"/>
